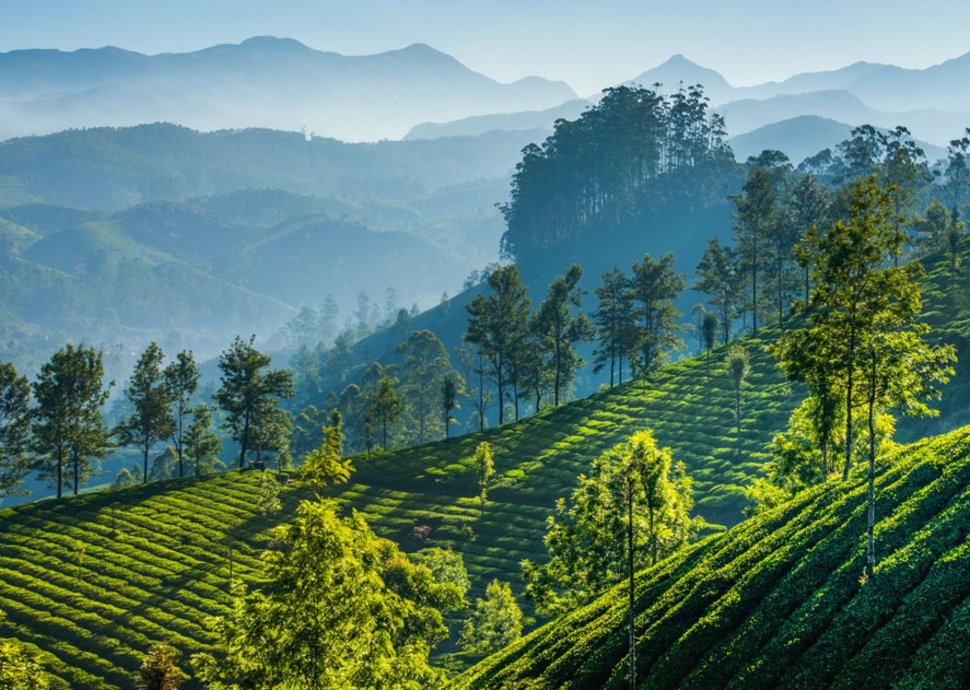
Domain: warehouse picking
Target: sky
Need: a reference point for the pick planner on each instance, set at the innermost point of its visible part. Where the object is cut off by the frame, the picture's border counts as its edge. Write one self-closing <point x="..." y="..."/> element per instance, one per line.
<point x="589" y="44"/>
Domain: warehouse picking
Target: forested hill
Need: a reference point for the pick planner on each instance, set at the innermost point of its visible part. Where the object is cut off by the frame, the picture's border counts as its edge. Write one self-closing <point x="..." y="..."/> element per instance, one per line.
<point x="777" y="602"/>
<point x="112" y="168"/>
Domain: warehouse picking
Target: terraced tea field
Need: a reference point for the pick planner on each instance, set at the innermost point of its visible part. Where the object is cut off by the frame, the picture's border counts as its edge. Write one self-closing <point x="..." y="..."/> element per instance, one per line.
<point x="777" y="602"/>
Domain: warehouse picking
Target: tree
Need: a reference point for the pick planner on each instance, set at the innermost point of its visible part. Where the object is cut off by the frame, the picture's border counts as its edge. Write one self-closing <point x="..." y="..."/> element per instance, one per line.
<point x="472" y="369"/>
<point x="150" y="400"/>
<point x="709" y="332"/>
<point x="449" y="400"/>
<point x="340" y="608"/>
<point x="202" y="445"/>
<point x="496" y="622"/>
<point x="755" y="219"/>
<point x="20" y="668"/>
<point x="808" y="208"/>
<point x="957" y="174"/>
<point x="498" y="327"/>
<point x="426" y="365"/>
<point x="718" y="275"/>
<point x="159" y="669"/>
<point x="247" y="392"/>
<point x="654" y="286"/>
<point x="738" y="367"/>
<point x="634" y="483"/>
<point x="614" y="323"/>
<point x="863" y="339"/>
<point x="559" y="329"/>
<point x="68" y="423"/>
<point x="485" y="469"/>
<point x="385" y="404"/>
<point x="14" y="430"/>
<point x="324" y="466"/>
<point x="937" y="230"/>
<point x="181" y="381"/>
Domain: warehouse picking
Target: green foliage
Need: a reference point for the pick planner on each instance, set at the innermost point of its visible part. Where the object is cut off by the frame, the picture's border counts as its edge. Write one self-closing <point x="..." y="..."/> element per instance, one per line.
<point x="159" y="670"/>
<point x="181" y="381"/>
<point x="269" y="494"/>
<point x="68" y="424"/>
<point x="776" y="602"/>
<point x="249" y="395"/>
<point x="202" y="444"/>
<point x="425" y="370"/>
<point x="385" y="405"/>
<point x="341" y="608"/>
<point x="14" y="430"/>
<point x="719" y="275"/>
<point x="613" y="320"/>
<point x="587" y="537"/>
<point x="558" y="329"/>
<point x="485" y="469"/>
<point x="324" y="466"/>
<point x="448" y="567"/>
<point x="495" y="622"/>
<point x="150" y="400"/>
<point x="20" y="669"/>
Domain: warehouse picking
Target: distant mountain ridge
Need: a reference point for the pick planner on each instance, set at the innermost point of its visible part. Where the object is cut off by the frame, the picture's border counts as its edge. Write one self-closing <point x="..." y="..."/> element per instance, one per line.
<point x="264" y="81"/>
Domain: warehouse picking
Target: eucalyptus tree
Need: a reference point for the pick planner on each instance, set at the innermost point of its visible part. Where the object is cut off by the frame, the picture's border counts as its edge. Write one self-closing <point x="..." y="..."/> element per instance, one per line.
<point x="756" y="219"/>
<point x="181" y="379"/>
<point x="560" y="325"/>
<point x="426" y="365"/>
<point x="150" y="399"/>
<point x="654" y="286"/>
<point x="614" y="322"/>
<point x="719" y="275"/>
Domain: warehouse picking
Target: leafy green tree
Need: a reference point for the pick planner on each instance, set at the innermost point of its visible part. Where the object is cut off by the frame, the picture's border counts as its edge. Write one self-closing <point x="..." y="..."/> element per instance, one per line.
<point x="957" y="173"/>
<point x="472" y="368"/>
<point x="709" y="333"/>
<point x="808" y="209"/>
<point x="385" y="405"/>
<point x="498" y="328"/>
<point x="936" y="230"/>
<point x="181" y="381"/>
<point x="560" y="325"/>
<point x="248" y="393"/>
<point x="450" y="390"/>
<point x="308" y="430"/>
<point x="495" y="622"/>
<point x="14" y="430"/>
<point x="268" y="500"/>
<point x="159" y="669"/>
<point x="20" y="668"/>
<point x="484" y="463"/>
<point x="325" y="466"/>
<point x="718" y="275"/>
<point x="654" y="287"/>
<point x="426" y="366"/>
<point x="739" y="366"/>
<point x="150" y="399"/>
<point x="635" y="483"/>
<point x="202" y="444"/>
<point x="272" y="432"/>
<point x="614" y="323"/>
<point x="68" y="426"/>
<point x="341" y="608"/>
<point x="447" y="566"/>
<point x="755" y="220"/>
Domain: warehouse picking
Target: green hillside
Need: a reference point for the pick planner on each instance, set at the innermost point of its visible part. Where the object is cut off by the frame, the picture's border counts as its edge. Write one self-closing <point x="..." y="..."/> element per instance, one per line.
<point x="777" y="601"/>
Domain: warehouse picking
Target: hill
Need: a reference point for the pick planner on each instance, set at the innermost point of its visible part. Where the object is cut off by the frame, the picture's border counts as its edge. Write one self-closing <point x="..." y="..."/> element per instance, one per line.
<point x="262" y="82"/>
<point x="798" y="138"/>
<point x="777" y="601"/>
<point x="93" y="580"/>
<point x="479" y="124"/>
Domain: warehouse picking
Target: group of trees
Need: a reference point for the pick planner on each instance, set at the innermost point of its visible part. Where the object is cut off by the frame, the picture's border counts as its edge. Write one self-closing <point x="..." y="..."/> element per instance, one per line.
<point x="595" y="171"/>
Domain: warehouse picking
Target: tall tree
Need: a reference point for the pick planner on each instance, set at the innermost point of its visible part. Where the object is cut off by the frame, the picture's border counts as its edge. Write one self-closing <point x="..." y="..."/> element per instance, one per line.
<point x="755" y="219"/>
<point x="385" y="405"/>
<point x="202" y="444"/>
<point x="808" y="208"/>
<point x="248" y="392"/>
<point x="426" y="365"/>
<point x="325" y="466"/>
<point x="472" y="367"/>
<point x="654" y="286"/>
<point x="450" y="390"/>
<point x="68" y="424"/>
<point x="498" y="327"/>
<point x="738" y="368"/>
<point x="495" y="622"/>
<point x="957" y="174"/>
<point x="614" y="321"/>
<point x="182" y="381"/>
<point x="340" y="608"/>
<point x="588" y="537"/>
<point x="718" y="275"/>
<point x="485" y="469"/>
<point x="14" y="430"/>
<point x="560" y="325"/>
<point x="150" y="399"/>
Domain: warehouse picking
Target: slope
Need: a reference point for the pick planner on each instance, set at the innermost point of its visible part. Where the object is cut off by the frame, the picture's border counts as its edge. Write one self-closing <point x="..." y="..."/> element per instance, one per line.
<point x="777" y="602"/>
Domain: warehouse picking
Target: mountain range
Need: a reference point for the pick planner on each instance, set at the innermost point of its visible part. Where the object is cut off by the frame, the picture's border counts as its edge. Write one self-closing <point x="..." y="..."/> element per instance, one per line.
<point x="262" y="82"/>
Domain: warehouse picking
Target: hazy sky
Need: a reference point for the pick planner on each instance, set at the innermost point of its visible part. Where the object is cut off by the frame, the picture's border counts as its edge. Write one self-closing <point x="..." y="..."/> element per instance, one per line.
<point x="589" y="44"/>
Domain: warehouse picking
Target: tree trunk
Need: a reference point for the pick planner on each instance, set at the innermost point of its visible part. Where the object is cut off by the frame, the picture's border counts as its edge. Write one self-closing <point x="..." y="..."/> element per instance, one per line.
<point x="60" y="474"/>
<point x="144" y="464"/>
<point x="871" y="493"/>
<point x="384" y="429"/>
<point x="629" y="543"/>
<point x="76" y="461"/>
<point x="848" y="423"/>
<point x="737" y="412"/>
<point x="754" y="297"/>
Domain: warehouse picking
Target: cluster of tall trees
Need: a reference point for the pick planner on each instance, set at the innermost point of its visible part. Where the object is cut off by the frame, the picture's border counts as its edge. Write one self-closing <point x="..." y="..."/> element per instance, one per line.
<point x="595" y="171"/>
<point x="56" y="425"/>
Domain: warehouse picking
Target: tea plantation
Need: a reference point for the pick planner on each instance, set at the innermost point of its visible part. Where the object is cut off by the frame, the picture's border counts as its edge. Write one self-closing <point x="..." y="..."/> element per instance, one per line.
<point x="777" y="602"/>
<point x="93" y="581"/>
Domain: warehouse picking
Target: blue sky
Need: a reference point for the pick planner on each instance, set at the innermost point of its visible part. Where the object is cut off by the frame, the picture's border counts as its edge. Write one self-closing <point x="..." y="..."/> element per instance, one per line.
<point x="588" y="44"/>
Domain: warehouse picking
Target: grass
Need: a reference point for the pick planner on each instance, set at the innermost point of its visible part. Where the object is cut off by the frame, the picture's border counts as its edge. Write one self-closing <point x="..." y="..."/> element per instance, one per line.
<point x="777" y="602"/>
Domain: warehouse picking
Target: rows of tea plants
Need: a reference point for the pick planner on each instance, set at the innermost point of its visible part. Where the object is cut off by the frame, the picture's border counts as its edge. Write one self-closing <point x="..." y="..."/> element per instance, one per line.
<point x="778" y="601"/>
